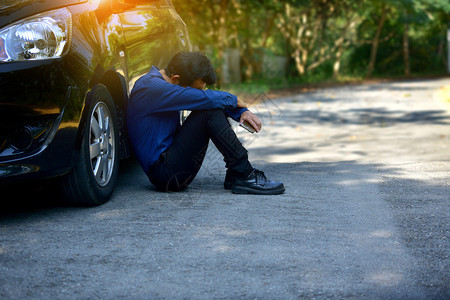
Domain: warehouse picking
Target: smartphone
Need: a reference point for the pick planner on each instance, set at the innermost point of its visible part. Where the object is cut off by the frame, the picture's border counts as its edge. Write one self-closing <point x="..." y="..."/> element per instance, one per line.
<point x="246" y="125"/>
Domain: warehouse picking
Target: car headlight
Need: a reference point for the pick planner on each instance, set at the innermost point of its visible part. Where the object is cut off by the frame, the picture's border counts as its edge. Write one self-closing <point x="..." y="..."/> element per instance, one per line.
<point x="41" y="36"/>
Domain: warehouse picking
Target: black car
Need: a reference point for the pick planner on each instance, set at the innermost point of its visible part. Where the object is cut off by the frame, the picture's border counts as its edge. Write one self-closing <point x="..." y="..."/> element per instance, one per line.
<point x="66" y="70"/>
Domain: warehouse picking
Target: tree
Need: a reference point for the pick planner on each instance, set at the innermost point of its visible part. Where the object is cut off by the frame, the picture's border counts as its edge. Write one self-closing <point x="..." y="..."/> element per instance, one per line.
<point x="327" y="36"/>
<point x="304" y="26"/>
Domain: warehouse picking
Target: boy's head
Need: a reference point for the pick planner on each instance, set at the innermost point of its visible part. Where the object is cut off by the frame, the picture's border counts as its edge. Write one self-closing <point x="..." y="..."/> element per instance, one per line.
<point x="193" y="68"/>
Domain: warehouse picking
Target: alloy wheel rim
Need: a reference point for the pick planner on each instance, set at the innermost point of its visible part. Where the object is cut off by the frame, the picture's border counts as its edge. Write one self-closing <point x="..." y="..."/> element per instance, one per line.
<point x="101" y="144"/>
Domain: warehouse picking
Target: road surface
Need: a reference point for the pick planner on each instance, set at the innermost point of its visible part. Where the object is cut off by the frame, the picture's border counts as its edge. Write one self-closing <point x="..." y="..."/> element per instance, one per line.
<point x="365" y="213"/>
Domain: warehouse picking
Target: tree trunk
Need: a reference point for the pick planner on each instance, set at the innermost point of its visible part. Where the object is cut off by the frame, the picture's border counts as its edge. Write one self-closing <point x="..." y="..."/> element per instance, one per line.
<point x="258" y="64"/>
<point x="337" y="62"/>
<point x="406" y="58"/>
<point x="247" y="53"/>
<point x="222" y="38"/>
<point x="298" y="62"/>
<point x="375" y="42"/>
<point x="448" y="48"/>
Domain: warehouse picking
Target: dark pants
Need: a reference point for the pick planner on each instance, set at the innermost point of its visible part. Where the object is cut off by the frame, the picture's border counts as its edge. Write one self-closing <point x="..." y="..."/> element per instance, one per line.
<point x="178" y="166"/>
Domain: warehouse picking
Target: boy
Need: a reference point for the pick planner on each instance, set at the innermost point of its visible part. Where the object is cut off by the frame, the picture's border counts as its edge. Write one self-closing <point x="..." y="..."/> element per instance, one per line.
<point x="171" y="154"/>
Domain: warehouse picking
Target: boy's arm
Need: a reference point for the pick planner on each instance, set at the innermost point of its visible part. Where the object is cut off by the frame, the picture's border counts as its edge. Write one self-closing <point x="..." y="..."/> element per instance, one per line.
<point x="160" y="96"/>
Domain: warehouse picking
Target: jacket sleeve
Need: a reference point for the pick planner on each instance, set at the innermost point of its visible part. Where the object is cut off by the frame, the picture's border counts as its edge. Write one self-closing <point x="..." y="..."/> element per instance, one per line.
<point x="162" y="96"/>
<point x="236" y="113"/>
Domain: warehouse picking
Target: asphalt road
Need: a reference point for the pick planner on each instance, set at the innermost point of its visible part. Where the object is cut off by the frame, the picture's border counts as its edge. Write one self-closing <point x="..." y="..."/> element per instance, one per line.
<point x="365" y="214"/>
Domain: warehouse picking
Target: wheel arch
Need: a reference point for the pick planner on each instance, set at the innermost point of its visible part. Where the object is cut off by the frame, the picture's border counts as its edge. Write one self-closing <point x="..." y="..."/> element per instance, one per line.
<point x="117" y="87"/>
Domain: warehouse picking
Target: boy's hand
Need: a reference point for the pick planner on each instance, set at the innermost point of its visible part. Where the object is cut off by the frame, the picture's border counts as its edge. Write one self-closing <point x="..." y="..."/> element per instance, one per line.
<point x="252" y="119"/>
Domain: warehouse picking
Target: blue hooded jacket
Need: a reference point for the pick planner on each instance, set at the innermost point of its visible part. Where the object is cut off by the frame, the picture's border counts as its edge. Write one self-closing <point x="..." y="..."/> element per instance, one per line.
<point x="153" y="113"/>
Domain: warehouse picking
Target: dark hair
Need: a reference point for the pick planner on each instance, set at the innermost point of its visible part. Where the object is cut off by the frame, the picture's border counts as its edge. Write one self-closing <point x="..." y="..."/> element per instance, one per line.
<point x="191" y="66"/>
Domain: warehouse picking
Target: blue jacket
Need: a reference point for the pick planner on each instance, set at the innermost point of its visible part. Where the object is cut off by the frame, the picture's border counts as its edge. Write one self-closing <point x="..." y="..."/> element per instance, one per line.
<point x="153" y="113"/>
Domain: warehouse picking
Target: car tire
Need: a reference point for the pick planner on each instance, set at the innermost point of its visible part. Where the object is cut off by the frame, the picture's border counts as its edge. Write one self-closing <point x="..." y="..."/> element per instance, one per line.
<point x="92" y="180"/>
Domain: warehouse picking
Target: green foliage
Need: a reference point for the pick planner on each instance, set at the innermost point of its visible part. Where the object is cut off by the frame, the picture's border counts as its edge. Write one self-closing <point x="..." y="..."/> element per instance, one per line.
<point x="321" y="39"/>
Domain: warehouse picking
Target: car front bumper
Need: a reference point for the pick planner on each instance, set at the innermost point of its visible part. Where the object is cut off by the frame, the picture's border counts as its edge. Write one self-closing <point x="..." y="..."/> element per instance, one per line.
<point x="39" y="117"/>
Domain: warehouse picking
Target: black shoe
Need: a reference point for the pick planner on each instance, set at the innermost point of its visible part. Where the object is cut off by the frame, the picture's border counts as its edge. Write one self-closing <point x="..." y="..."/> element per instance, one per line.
<point x="257" y="183"/>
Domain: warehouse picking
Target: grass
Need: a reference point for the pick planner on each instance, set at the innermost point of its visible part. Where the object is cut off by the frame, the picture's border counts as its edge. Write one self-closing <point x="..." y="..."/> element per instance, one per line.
<point x="285" y="86"/>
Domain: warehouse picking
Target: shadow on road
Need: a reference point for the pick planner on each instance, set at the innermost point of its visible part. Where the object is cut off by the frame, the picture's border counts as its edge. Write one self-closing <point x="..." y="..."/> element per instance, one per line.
<point x="28" y="197"/>
<point x="370" y="116"/>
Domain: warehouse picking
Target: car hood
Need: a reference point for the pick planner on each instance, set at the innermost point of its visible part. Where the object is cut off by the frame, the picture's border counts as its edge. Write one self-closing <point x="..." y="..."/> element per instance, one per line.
<point x="13" y="10"/>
